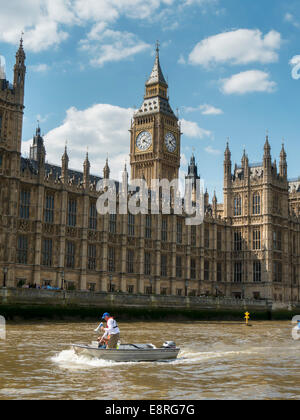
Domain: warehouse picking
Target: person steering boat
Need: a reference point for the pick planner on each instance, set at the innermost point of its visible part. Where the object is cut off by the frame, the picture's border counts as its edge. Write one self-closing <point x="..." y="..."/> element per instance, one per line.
<point x="111" y="334"/>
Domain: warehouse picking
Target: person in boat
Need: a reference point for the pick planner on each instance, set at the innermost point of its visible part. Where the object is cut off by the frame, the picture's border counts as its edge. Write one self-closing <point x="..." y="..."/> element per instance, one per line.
<point x="111" y="332"/>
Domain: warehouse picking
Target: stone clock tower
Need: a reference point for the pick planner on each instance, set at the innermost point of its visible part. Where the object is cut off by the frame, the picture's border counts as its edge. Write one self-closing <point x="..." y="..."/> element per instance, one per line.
<point x="155" y="133"/>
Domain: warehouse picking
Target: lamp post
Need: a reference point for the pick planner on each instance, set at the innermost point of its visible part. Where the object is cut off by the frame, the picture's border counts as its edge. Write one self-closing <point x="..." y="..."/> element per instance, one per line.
<point x="110" y="283"/>
<point x="5" y="271"/>
<point x="62" y="280"/>
<point x="151" y="286"/>
<point x="186" y="287"/>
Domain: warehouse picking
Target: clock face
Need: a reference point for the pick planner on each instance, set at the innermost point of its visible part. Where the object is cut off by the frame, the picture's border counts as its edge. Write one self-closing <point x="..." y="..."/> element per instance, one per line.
<point x="171" y="143"/>
<point x="144" y="140"/>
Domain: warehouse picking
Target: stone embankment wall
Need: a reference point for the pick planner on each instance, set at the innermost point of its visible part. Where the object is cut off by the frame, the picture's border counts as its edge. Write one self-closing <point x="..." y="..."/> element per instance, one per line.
<point x="41" y="303"/>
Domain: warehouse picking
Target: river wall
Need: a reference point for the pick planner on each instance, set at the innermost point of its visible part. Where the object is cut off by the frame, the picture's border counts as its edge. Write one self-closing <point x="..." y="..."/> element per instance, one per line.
<point x="34" y="303"/>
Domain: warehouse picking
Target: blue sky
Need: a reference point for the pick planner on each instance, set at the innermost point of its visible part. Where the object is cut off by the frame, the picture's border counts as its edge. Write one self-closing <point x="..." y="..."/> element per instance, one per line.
<point x="229" y="66"/>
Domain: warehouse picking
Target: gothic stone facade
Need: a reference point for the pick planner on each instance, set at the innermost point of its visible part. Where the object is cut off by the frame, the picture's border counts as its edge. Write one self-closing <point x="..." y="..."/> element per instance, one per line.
<point x="51" y="234"/>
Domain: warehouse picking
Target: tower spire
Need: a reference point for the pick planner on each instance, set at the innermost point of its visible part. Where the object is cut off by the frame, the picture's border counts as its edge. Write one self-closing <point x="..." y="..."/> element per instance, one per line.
<point x="21" y="40"/>
<point x="106" y="170"/>
<point x="267" y="157"/>
<point x="20" y="71"/>
<point x="65" y="165"/>
<point x="86" y="171"/>
<point x="227" y="163"/>
<point x="283" y="163"/>
<point x="37" y="150"/>
<point x="125" y="179"/>
<point x="156" y="74"/>
<point x="227" y="181"/>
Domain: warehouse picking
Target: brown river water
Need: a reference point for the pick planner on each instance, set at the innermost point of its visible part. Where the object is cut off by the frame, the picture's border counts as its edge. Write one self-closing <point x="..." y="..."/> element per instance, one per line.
<point x="217" y="361"/>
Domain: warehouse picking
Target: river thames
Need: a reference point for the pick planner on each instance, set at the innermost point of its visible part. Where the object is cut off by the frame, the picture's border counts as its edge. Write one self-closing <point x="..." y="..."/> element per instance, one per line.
<point x="217" y="361"/>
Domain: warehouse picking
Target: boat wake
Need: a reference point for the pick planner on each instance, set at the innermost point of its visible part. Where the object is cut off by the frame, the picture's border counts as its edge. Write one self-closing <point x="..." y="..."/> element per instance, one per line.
<point x="187" y="356"/>
<point x="68" y="359"/>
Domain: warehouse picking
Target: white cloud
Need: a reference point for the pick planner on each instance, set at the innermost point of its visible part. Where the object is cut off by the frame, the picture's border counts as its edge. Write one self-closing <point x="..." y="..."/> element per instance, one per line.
<point x="171" y="26"/>
<point x="106" y="45"/>
<point x="181" y="60"/>
<point x="248" y="81"/>
<point x="39" y="19"/>
<point x="192" y="129"/>
<point x="241" y="46"/>
<point x="103" y="128"/>
<point x="201" y="3"/>
<point x="204" y="109"/>
<point x="40" y="68"/>
<point x="288" y="17"/>
<point x="291" y="19"/>
<point x="212" y="151"/>
<point x="47" y="23"/>
<point x="110" y="10"/>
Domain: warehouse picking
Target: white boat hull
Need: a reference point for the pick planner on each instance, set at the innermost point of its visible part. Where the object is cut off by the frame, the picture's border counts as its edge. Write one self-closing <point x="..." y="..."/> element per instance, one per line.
<point x="126" y="354"/>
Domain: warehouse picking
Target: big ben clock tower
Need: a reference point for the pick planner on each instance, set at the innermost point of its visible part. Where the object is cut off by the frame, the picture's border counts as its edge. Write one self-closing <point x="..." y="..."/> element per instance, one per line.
<point x="155" y="133"/>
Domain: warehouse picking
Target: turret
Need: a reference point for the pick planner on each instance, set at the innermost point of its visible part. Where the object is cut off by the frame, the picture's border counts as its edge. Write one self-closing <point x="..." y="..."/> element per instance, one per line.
<point x="193" y="176"/>
<point x="227" y="182"/>
<point x="37" y="150"/>
<point x="215" y="205"/>
<point x="206" y="199"/>
<point x="19" y="73"/>
<point x="86" y="172"/>
<point x="106" y="170"/>
<point x="283" y="163"/>
<point x="227" y="164"/>
<point x="64" y="166"/>
<point x="245" y="164"/>
<point x="267" y="157"/>
<point x="125" y="180"/>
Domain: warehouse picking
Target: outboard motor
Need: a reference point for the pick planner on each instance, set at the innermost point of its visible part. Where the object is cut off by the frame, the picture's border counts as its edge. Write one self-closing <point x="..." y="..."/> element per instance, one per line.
<point x="169" y="345"/>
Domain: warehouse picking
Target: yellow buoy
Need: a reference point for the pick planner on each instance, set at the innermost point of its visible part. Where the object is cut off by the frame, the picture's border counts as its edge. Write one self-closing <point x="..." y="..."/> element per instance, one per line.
<point x="247" y="317"/>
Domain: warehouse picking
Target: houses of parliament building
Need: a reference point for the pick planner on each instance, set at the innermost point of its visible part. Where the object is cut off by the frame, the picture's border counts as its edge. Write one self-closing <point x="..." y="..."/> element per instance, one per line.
<point x="52" y="234"/>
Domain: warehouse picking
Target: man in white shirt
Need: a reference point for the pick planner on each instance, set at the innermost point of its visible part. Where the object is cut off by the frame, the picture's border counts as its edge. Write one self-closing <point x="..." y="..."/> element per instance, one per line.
<point x="112" y="332"/>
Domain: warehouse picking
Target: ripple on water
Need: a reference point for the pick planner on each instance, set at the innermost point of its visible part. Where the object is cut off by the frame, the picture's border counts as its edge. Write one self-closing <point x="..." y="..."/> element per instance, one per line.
<point x="217" y="361"/>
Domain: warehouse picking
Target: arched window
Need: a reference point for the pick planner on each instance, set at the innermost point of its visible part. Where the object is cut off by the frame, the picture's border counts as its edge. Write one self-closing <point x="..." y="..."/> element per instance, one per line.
<point x="237" y="205"/>
<point x="256" y="203"/>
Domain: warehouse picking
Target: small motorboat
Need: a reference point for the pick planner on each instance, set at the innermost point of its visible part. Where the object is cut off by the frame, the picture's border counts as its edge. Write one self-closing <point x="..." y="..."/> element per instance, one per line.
<point x="129" y="352"/>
